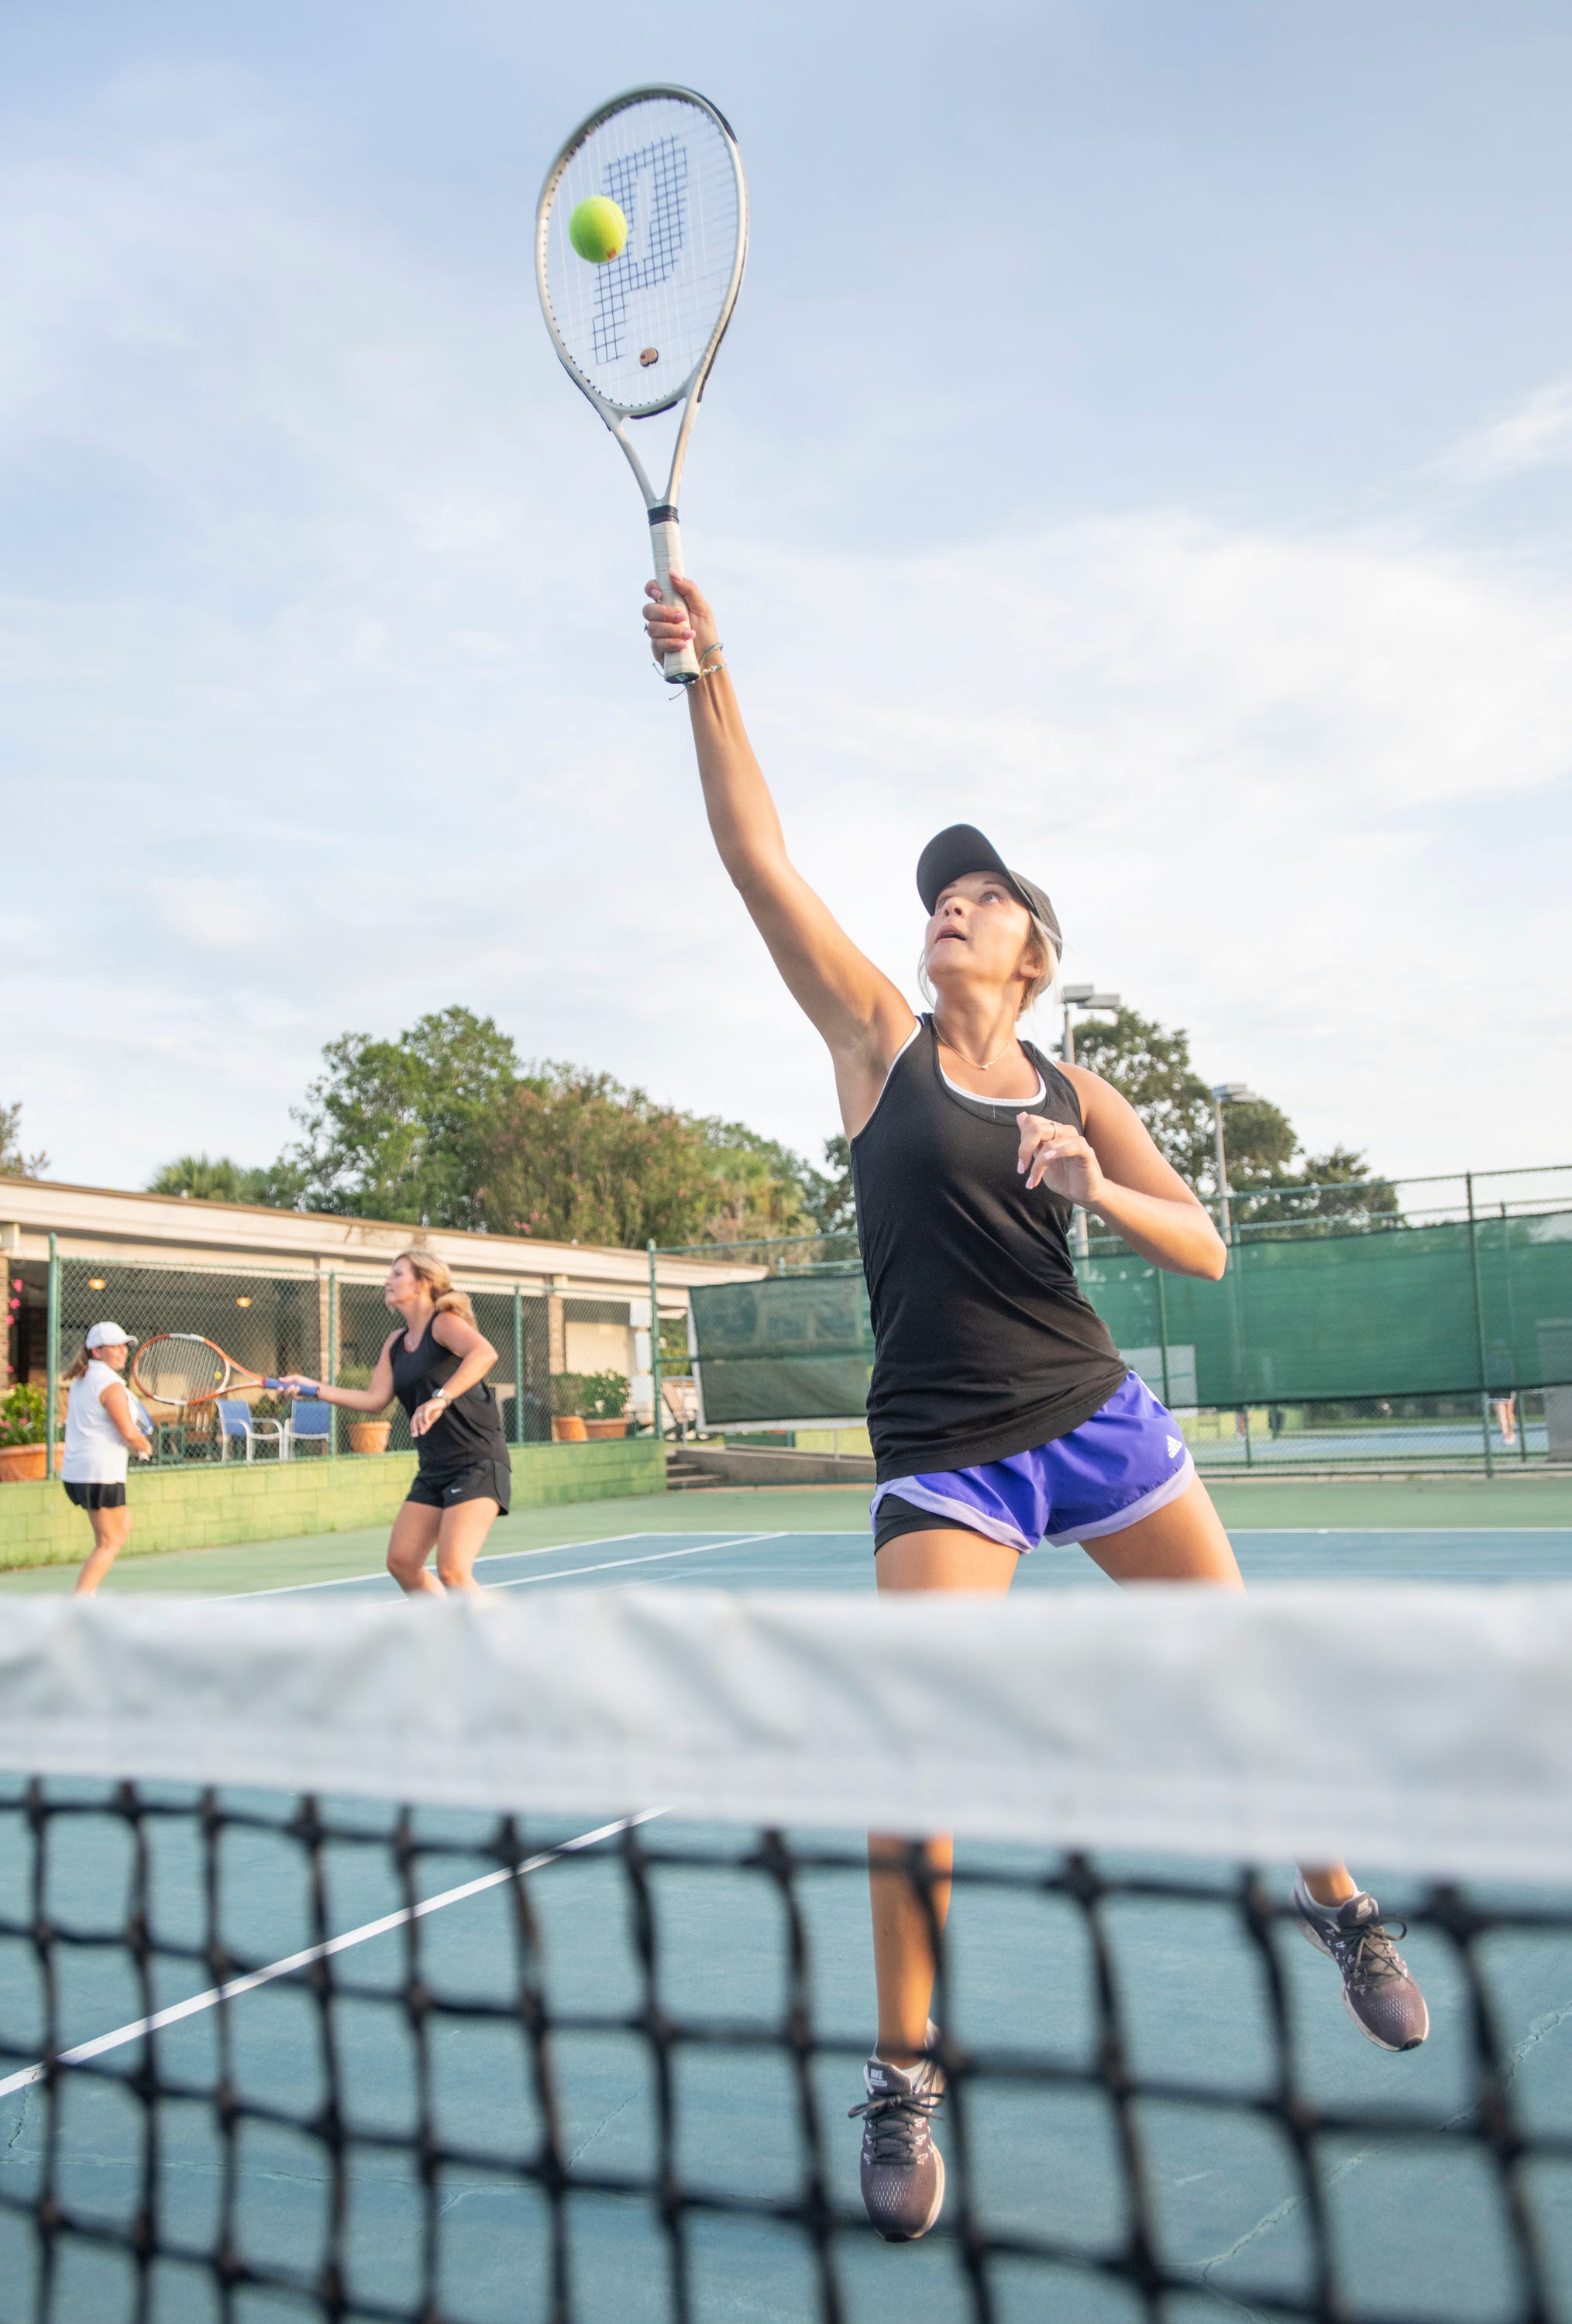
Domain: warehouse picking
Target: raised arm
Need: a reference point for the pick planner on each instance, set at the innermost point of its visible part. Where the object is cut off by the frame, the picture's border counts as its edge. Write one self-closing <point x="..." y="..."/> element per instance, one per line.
<point x="861" y="1016"/>
<point x="1115" y="1170"/>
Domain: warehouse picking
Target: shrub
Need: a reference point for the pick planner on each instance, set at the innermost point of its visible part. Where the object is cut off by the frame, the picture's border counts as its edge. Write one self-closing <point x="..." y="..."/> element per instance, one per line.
<point x="21" y="1415"/>
<point x="598" y="1396"/>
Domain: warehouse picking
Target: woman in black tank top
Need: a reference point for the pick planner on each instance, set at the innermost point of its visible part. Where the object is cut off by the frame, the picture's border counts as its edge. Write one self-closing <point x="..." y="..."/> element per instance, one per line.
<point x="435" y="1364"/>
<point x="970" y="1151"/>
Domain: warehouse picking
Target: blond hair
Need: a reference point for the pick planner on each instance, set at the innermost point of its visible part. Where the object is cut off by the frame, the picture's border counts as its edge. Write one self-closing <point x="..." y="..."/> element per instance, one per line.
<point x="1043" y="979"/>
<point x="437" y="1279"/>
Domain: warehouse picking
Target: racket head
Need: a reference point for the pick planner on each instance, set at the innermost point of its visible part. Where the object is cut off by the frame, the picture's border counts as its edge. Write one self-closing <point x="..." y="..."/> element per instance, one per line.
<point x="639" y="333"/>
<point x="180" y="1367"/>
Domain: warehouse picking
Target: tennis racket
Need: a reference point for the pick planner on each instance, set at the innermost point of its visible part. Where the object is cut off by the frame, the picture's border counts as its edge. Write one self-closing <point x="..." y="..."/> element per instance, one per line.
<point x="638" y="330"/>
<point x="180" y="1367"/>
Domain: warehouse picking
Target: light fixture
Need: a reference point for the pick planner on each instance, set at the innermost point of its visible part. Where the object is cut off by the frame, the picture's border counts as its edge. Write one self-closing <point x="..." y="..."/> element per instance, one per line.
<point x="95" y="1283"/>
<point x="243" y="1301"/>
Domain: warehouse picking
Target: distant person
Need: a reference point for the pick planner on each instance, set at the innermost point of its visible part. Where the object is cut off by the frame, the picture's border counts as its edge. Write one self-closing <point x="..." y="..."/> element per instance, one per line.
<point x="436" y="1365"/>
<point x="104" y="1426"/>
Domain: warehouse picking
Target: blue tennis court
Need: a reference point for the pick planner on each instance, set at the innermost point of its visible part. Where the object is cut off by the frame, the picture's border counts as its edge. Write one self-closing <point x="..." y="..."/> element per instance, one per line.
<point x="1419" y="2222"/>
<point x="844" y="1560"/>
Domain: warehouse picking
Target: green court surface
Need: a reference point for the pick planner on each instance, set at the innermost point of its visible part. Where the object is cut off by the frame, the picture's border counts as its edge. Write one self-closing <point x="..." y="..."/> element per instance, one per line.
<point x="1489" y="1517"/>
<point x="1419" y="2223"/>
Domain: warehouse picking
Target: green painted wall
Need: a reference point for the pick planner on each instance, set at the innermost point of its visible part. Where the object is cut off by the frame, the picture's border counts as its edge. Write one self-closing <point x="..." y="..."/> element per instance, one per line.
<point x="200" y="1508"/>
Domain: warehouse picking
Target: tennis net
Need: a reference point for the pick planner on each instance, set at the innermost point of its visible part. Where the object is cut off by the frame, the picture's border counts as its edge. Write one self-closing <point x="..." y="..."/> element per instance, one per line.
<point x="487" y="1961"/>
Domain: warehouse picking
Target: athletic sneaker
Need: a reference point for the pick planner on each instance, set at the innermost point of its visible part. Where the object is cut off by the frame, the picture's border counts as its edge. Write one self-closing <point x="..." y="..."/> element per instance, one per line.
<point x="903" y="2171"/>
<point x="1378" y="1992"/>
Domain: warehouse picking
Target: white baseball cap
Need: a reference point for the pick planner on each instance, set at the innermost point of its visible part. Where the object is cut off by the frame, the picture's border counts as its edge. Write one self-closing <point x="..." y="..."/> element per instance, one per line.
<point x="109" y="1336"/>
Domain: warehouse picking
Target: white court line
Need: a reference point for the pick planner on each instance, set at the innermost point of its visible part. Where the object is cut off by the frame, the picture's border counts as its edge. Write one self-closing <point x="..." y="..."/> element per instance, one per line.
<point x="286" y="1968"/>
<point x="1398" y="1533"/>
<point x="492" y="1557"/>
<point x="607" y="1542"/>
<point x="606" y="1566"/>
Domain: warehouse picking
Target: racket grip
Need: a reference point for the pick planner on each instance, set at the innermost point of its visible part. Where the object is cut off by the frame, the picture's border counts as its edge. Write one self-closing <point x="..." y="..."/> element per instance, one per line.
<point x="309" y="1389"/>
<point x="666" y="540"/>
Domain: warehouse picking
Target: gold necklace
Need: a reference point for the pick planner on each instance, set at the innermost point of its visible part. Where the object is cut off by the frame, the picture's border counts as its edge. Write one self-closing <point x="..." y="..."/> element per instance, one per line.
<point x="977" y="1064"/>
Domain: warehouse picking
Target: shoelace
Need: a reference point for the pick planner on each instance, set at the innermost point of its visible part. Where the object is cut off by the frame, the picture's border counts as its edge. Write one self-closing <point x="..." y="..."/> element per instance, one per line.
<point x="899" y="2125"/>
<point x="1369" y="1953"/>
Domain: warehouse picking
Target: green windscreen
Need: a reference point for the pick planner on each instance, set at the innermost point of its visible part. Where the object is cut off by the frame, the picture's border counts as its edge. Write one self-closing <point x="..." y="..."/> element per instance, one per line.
<point x="1398" y="1311"/>
<point x="788" y="1348"/>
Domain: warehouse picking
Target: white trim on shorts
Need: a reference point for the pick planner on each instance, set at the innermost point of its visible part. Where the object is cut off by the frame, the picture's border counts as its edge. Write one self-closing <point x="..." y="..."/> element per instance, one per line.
<point x="960" y="1513"/>
<point x="1147" y="1506"/>
<point x="970" y="1520"/>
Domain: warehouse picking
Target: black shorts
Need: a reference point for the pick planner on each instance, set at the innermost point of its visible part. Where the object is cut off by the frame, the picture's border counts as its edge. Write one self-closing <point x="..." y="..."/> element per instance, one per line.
<point x="895" y="1517"/>
<point x="96" y="1497"/>
<point x="482" y="1480"/>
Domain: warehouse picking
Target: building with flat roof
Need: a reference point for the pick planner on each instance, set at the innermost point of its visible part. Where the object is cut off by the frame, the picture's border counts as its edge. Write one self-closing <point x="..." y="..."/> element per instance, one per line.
<point x="177" y="1263"/>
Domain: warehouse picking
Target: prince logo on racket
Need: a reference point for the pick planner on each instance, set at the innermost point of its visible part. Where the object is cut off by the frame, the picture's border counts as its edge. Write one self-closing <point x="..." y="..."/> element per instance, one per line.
<point x="641" y="238"/>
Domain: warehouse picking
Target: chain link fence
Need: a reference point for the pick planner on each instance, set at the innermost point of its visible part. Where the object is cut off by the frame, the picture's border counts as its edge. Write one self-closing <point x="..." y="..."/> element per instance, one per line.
<point x="330" y="1326"/>
<point x="1393" y="1324"/>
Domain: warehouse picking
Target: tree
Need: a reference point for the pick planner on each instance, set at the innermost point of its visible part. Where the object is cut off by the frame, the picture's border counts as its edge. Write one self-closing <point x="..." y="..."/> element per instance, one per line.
<point x="758" y="1186"/>
<point x="13" y="1162"/>
<point x="828" y="1194"/>
<point x="1150" y="1064"/>
<point x="400" y="1130"/>
<point x="204" y="1178"/>
<point x="576" y="1157"/>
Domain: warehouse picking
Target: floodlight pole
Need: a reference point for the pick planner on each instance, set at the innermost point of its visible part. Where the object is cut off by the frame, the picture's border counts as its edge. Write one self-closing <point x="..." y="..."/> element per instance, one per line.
<point x="1074" y="997"/>
<point x="655" y="1414"/>
<point x="1225" y="1094"/>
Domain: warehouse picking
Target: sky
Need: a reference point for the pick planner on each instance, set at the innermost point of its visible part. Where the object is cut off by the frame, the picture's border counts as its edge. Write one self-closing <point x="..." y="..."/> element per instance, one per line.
<point x="1145" y="432"/>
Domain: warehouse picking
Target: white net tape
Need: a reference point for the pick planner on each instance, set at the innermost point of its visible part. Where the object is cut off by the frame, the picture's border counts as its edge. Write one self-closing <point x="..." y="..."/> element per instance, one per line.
<point x="1425" y="1729"/>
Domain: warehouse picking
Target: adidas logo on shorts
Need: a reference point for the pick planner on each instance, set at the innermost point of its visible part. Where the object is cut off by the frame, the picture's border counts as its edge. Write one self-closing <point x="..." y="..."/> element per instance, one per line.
<point x="1175" y="1447"/>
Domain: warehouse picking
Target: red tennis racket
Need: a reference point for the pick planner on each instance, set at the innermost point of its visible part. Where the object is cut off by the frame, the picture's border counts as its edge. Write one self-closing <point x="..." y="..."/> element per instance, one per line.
<point x="182" y="1368"/>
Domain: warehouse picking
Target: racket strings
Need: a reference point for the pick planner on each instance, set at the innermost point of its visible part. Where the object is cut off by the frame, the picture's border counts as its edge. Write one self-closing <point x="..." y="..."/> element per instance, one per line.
<point x="179" y="1369"/>
<point x="637" y="328"/>
<point x="664" y="162"/>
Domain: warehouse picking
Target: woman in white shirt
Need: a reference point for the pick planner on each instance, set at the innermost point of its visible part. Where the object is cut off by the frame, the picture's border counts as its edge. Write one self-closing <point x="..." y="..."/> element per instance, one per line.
<point x="103" y="1426"/>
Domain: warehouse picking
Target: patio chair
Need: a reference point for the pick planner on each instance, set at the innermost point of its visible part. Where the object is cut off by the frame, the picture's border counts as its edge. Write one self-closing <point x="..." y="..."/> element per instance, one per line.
<point x="311" y="1423"/>
<point x="238" y="1426"/>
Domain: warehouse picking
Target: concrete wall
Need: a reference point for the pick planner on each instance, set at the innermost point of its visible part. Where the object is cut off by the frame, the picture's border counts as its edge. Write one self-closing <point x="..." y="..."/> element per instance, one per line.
<point x="734" y="1466"/>
<point x="201" y="1509"/>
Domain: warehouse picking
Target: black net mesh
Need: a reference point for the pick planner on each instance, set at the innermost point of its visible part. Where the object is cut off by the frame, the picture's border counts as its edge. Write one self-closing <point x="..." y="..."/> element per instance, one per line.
<point x="413" y="2065"/>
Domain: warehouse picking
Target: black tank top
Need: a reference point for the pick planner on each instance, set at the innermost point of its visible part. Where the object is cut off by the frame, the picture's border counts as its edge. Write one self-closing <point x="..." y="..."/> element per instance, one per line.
<point x="470" y="1430"/>
<point x="983" y="1343"/>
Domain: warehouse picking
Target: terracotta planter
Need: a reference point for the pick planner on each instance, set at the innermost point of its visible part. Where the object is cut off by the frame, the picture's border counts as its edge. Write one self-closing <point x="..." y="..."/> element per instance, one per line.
<point x="619" y="1427"/>
<point x="369" y="1436"/>
<point x="22" y="1465"/>
<point x="569" y="1429"/>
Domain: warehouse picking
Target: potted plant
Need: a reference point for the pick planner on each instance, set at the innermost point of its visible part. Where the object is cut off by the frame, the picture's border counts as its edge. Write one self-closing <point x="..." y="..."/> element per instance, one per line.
<point x="366" y="1435"/>
<point x="566" y="1418"/>
<point x="23" y="1453"/>
<point x="606" y="1403"/>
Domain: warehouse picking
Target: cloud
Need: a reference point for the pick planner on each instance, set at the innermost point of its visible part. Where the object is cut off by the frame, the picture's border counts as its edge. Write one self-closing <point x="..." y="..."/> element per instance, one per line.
<point x="1537" y="434"/>
<point x="321" y="671"/>
<point x="216" y="915"/>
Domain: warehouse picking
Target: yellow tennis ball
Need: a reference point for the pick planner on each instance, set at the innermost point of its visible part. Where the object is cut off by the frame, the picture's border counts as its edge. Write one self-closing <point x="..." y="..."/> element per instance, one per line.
<point x="597" y="229"/>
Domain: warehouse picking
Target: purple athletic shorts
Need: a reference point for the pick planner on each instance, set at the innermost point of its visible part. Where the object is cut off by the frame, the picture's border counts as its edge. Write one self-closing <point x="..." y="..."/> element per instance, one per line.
<point x="1127" y="1460"/>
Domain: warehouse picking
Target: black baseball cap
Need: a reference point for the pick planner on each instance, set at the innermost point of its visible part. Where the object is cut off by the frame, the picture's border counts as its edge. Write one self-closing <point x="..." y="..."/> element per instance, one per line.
<point x="962" y="848"/>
